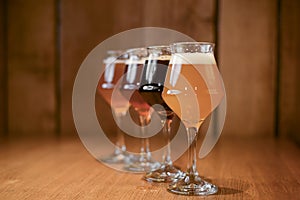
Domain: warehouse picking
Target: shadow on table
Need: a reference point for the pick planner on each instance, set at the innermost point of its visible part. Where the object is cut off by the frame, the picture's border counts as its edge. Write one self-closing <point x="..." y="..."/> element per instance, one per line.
<point x="226" y="191"/>
<point x="231" y="186"/>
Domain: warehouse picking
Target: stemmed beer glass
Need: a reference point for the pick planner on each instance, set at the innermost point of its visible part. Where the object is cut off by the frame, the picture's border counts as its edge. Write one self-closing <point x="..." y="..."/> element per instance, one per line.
<point x="192" y="90"/>
<point x="151" y="87"/>
<point x="114" y="65"/>
<point x="130" y="90"/>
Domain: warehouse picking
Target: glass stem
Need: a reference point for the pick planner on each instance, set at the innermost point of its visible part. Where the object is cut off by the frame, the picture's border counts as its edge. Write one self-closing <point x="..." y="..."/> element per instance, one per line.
<point x="167" y="133"/>
<point x="120" y="144"/>
<point x="192" y="155"/>
<point x="145" y="152"/>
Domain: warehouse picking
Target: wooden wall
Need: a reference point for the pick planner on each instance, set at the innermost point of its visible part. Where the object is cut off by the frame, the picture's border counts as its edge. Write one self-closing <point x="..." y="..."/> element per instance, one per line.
<point x="247" y="57"/>
<point x="83" y="25"/>
<point x="289" y="87"/>
<point x="3" y="80"/>
<point x="30" y="67"/>
<point x="44" y="42"/>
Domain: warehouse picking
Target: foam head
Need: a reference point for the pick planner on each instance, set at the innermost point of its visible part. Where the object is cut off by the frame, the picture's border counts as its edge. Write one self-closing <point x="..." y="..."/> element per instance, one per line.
<point x="193" y="58"/>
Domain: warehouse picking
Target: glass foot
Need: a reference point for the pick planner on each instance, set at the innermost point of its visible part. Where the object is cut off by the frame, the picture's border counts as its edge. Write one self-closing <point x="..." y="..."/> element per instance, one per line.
<point x="166" y="173"/>
<point x="145" y="166"/>
<point x="115" y="159"/>
<point x="192" y="185"/>
<point x="118" y="157"/>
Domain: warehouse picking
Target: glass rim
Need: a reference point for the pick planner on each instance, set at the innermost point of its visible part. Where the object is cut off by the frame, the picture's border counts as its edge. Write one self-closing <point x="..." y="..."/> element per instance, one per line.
<point x="192" y="47"/>
<point x="115" y="51"/>
<point x="117" y="54"/>
<point x="158" y="47"/>
<point x="138" y="49"/>
<point x="193" y="43"/>
<point x="159" y="50"/>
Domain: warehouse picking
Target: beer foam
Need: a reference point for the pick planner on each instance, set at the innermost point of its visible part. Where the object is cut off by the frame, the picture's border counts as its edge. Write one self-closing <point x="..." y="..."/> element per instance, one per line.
<point x="193" y="58"/>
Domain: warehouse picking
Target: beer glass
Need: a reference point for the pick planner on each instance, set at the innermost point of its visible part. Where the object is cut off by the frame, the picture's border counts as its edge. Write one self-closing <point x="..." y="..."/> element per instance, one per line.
<point x="130" y="90"/>
<point x="192" y="90"/>
<point x="114" y="65"/>
<point x="151" y="87"/>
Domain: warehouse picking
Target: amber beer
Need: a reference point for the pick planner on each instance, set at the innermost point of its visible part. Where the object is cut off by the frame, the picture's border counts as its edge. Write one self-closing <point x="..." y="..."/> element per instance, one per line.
<point x="196" y="79"/>
<point x="130" y="84"/>
<point x="114" y="70"/>
<point x="193" y="89"/>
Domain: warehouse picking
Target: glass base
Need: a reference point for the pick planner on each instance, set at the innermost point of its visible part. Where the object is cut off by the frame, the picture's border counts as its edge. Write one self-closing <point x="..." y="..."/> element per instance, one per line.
<point x="166" y="173"/>
<point x="192" y="185"/>
<point x="145" y="166"/>
<point x="118" y="157"/>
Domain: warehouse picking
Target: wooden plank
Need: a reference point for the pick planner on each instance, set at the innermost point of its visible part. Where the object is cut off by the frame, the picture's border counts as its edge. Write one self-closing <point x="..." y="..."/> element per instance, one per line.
<point x="31" y="67"/>
<point x="63" y="169"/>
<point x="289" y="113"/>
<point x="127" y="14"/>
<point x="84" y="24"/>
<point x="247" y="58"/>
<point x="3" y="88"/>
<point x="194" y="18"/>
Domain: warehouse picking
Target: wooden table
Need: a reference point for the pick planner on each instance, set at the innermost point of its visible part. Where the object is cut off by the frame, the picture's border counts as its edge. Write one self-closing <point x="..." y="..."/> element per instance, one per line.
<point x="243" y="168"/>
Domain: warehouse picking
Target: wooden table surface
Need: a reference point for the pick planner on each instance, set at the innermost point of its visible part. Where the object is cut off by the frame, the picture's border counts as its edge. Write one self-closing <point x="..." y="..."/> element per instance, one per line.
<point x="243" y="168"/>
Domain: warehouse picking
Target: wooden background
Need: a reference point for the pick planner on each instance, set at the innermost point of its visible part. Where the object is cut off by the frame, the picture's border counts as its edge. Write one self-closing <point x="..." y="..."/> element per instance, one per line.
<point x="42" y="44"/>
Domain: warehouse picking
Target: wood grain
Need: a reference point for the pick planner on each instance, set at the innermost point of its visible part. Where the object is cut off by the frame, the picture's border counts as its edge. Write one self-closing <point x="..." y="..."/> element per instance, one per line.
<point x="247" y="47"/>
<point x="3" y="88"/>
<point x="84" y="24"/>
<point x="31" y="67"/>
<point x="289" y="113"/>
<point x="194" y="18"/>
<point x="63" y="169"/>
<point x="127" y="14"/>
